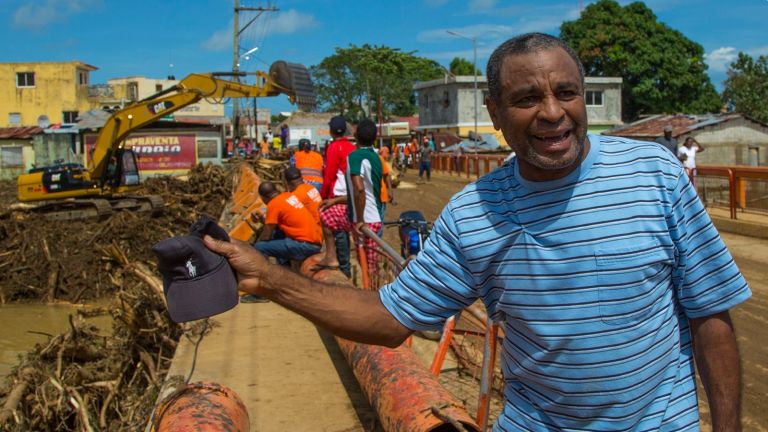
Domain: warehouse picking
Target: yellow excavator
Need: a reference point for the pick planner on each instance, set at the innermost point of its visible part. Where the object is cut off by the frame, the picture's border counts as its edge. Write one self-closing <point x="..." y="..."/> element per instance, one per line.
<point x="72" y="191"/>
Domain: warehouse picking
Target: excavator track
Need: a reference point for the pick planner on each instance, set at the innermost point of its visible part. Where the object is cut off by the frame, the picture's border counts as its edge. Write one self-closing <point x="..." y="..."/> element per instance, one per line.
<point x="95" y="208"/>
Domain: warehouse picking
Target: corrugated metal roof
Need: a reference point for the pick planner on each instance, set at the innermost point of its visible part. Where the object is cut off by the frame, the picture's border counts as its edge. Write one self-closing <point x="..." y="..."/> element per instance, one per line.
<point x="681" y="125"/>
<point x="24" y="132"/>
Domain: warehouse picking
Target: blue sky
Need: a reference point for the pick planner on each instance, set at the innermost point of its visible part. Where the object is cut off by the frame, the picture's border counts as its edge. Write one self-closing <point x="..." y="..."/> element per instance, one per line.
<point x="158" y="38"/>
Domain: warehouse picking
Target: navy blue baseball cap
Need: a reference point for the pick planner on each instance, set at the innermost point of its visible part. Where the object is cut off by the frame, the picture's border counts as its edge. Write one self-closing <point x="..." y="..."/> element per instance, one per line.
<point x="338" y="125"/>
<point x="197" y="282"/>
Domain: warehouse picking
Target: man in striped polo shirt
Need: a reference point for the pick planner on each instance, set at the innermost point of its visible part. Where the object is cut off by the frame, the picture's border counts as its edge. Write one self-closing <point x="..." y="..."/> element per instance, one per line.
<point x="594" y="253"/>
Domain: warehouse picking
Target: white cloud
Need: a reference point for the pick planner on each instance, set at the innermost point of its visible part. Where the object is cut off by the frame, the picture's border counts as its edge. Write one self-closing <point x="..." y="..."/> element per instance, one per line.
<point x="287" y="22"/>
<point x="36" y="15"/>
<point x="291" y="21"/>
<point x="720" y="58"/>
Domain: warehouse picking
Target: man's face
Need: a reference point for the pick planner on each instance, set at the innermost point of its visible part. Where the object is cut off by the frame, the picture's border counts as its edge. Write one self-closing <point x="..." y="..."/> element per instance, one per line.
<point x="541" y="113"/>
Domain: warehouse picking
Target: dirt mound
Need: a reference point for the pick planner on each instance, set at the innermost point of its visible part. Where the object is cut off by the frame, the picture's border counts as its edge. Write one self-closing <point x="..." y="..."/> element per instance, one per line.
<point x="81" y="380"/>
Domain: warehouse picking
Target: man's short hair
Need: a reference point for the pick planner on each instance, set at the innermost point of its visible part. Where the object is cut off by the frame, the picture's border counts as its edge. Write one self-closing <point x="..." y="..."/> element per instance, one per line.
<point x="519" y="45"/>
<point x="267" y="189"/>
<point x="366" y="133"/>
<point x="304" y="144"/>
<point x="292" y="173"/>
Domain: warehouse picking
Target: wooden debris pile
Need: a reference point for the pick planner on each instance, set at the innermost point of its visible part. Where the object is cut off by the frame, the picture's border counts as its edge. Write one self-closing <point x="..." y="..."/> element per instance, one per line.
<point x="81" y="380"/>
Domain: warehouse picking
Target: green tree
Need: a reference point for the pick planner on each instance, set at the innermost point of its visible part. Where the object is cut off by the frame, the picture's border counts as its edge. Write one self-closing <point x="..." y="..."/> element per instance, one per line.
<point x="747" y="86"/>
<point x="461" y="66"/>
<point x="663" y="71"/>
<point x="353" y="80"/>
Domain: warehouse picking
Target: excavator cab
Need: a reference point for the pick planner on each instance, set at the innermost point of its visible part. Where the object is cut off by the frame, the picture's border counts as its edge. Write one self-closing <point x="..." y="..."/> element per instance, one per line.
<point x="123" y="171"/>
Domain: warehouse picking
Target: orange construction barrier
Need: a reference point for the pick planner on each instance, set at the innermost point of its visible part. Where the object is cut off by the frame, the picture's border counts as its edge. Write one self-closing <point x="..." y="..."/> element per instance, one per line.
<point x="201" y="407"/>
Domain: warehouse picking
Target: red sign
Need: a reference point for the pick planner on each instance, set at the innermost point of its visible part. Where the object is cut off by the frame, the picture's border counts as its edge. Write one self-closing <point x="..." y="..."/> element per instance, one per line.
<point x="158" y="152"/>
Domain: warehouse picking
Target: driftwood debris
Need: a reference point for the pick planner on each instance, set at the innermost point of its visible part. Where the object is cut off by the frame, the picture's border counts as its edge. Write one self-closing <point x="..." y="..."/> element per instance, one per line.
<point x="85" y="379"/>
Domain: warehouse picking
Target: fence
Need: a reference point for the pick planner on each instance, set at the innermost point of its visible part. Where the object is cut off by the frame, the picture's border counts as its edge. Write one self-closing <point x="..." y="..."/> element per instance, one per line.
<point x="739" y="188"/>
<point x="469" y="165"/>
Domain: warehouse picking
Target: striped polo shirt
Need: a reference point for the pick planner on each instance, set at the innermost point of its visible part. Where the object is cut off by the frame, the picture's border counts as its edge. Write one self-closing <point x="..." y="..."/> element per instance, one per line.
<point x="593" y="276"/>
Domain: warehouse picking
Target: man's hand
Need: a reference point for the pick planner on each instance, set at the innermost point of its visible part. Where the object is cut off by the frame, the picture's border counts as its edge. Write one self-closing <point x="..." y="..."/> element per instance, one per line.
<point x="358" y="229"/>
<point x="328" y="202"/>
<point x="250" y="265"/>
<point x="257" y="217"/>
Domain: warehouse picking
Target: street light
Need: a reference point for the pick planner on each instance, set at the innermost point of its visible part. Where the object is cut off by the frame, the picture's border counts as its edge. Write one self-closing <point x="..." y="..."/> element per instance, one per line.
<point x="474" y="68"/>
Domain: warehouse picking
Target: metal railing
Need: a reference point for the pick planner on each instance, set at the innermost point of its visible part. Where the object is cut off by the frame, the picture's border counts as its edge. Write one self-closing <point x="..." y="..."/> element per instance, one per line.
<point x="747" y="187"/>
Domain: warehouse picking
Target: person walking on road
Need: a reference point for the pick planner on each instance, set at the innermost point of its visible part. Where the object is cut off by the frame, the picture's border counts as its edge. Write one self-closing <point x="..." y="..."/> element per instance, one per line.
<point x="425" y="160"/>
<point x="593" y="252"/>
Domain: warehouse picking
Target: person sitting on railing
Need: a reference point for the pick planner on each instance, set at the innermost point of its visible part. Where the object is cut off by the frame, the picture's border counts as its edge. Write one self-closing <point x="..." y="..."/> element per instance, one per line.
<point x="364" y="174"/>
<point x="290" y="232"/>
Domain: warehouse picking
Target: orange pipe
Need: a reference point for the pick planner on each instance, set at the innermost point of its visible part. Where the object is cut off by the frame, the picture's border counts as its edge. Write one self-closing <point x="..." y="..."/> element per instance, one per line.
<point x="398" y="386"/>
<point x="201" y="407"/>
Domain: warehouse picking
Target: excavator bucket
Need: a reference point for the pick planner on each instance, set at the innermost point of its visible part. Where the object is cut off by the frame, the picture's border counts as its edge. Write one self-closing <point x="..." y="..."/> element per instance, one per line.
<point x="293" y="79"/>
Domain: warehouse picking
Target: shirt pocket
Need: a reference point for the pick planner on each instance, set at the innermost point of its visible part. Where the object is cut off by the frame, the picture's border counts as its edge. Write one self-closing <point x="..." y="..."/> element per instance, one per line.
<point x="632" y="281"/>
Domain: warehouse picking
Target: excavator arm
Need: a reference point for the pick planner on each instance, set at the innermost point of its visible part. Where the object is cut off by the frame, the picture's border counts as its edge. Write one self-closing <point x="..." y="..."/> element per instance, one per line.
<point x="51" y="186"/>
<point x="284" y="78"/>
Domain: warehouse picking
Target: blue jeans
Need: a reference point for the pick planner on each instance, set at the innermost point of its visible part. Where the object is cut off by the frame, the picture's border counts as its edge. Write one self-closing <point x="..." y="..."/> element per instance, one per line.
<point x="287" y="249"/>
<point x="424" y="166"/>
<point x="342" y="251"/>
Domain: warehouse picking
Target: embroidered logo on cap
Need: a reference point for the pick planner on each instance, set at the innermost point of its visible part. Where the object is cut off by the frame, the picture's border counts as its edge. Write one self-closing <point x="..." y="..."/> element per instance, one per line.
<point x="191" y="269"/>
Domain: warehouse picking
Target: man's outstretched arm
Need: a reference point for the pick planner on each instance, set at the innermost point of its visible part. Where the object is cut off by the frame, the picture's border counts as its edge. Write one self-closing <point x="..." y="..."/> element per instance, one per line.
<point x="353" y="314"/>
<point x="717" y="359"/>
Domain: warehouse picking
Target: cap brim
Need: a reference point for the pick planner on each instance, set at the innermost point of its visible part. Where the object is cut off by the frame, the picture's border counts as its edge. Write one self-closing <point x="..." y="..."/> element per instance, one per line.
<point x="208" y="295"/>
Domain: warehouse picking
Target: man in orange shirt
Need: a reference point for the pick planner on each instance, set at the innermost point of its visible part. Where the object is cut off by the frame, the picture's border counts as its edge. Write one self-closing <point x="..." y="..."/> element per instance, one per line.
<point x="308" y="195"/>
<point x="290" y="232"/>
<point x="310" y="163"/>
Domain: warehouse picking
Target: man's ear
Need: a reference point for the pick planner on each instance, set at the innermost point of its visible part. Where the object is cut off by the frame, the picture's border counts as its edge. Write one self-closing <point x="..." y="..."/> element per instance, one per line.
<point x="490" y="105"/>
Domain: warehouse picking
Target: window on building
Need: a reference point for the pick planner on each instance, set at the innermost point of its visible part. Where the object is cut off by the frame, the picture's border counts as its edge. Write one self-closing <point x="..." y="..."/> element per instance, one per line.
<point x="82" y="77"/>
<point x="594" y="98"/>
<point x="426" y="101"/>
<point x="69" y="117"/>
<point x="133" y="91"/>
<point x="158" y="87"/>
<point x="25" y="79"/>
<point x="11" y="157"/>
<point x="206" y="149"/>
<point x="446" y="99"/>
<point x="485" y="96"/>
<point x="14" y="119"/>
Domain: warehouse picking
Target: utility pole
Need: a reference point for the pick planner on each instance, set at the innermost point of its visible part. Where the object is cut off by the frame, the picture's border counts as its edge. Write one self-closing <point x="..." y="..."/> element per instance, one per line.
<point x="236" y="58"/>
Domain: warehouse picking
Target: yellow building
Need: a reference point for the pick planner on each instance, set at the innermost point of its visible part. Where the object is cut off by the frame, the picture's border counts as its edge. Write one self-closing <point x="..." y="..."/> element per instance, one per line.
<point x="43" y="93"/>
